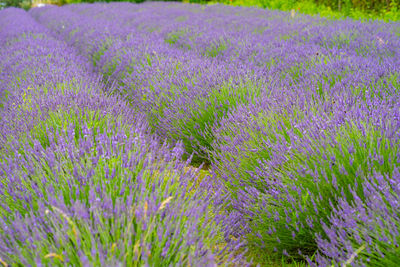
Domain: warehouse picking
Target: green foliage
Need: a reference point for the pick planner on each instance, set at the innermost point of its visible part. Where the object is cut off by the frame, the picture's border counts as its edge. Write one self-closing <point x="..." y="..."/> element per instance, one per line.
<point x="15" y="3"/>
<point x="269" y="260"/>
<point x="358" y="9"/>
<point x="393" y="11"/>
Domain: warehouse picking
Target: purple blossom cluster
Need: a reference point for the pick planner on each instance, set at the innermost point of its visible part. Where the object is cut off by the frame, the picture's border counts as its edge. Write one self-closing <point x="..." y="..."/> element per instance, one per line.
<point x="82" y="179"/>
<point x="297" y="118"/>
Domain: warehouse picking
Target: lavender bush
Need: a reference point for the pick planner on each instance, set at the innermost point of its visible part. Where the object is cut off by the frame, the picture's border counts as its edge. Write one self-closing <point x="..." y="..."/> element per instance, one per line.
<point x="106" y="199"/>
<point x="364" y="232"/>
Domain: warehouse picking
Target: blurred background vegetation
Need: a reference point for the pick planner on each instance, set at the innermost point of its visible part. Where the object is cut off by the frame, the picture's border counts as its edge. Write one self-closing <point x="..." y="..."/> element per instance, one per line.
<point x="358" y="9"/>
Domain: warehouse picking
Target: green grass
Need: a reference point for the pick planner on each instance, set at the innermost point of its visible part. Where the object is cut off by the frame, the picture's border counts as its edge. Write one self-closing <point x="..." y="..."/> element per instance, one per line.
<point x="309" y="7"/>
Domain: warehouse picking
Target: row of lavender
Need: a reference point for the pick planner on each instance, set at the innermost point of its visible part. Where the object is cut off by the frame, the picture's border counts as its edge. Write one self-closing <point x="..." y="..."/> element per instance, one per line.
<point x="132" y="44"/>
<point x="82" y="181"/>
<point x="159" y="80"/>
<point x="300" y="125"/>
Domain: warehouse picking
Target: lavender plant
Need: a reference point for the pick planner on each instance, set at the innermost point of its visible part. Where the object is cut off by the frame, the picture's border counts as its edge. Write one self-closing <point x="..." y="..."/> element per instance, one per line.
<point x="285" y="173"/>
<point x="305" y="203"/>
<point x="364" y="232"/>
<point x="110" y="198"/>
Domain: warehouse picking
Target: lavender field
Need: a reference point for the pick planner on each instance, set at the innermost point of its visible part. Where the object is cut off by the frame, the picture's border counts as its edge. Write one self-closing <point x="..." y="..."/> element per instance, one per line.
<point x="172" y="134"/>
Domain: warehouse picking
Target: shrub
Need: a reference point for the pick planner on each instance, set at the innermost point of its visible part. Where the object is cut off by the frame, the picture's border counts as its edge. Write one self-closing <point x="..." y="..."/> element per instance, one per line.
<point x="364" y="232"/>
<point x="285" y="167"/>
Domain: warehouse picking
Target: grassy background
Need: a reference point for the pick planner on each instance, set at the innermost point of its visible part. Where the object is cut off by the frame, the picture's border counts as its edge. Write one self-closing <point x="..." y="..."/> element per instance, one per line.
<point x="358" y="9"/>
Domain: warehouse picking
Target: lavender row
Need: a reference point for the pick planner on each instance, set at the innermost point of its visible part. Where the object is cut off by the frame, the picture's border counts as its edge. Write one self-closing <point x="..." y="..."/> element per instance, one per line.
<point x="161" y="80"/>
<point x="30" y="72"/>
<point x="307" y="52"/>
<point x="288" y="160"/>
<point x="286" y="165"/>
<point x="144" y="62"/>
<point x="81" y="180"/>
<point x="305" y="36"/>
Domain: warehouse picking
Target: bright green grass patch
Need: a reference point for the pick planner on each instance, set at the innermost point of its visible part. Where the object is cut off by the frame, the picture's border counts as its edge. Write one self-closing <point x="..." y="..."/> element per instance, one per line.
<point x="389" y="13"/>
<point x="269" y="260"/>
